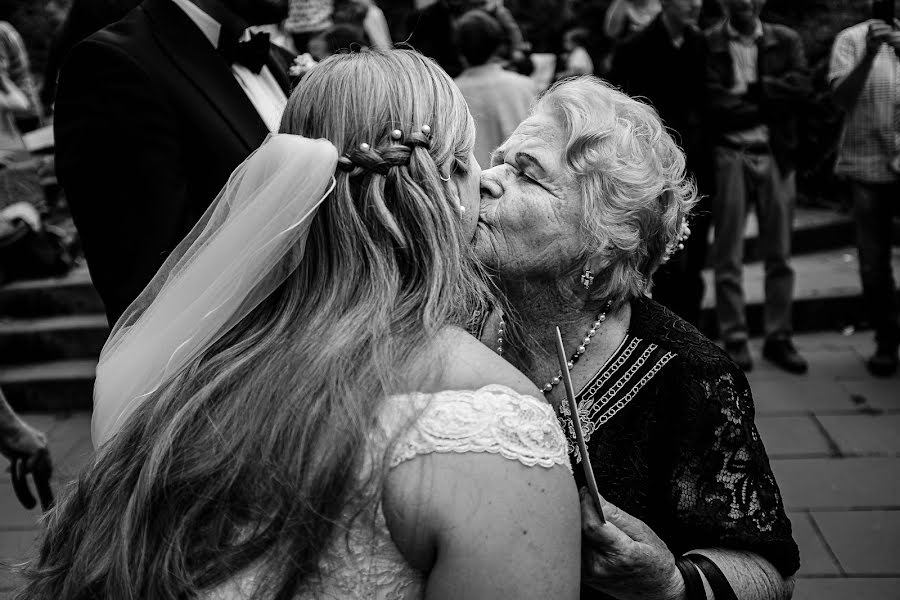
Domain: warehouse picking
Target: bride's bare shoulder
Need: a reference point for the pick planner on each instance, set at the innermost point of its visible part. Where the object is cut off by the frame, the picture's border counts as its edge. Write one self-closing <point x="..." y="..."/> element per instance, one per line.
<point x="467" y="364"/>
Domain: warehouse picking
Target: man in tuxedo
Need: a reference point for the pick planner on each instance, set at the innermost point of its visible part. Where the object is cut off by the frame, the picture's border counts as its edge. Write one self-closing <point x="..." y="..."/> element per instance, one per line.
<point x="153" y="113"/>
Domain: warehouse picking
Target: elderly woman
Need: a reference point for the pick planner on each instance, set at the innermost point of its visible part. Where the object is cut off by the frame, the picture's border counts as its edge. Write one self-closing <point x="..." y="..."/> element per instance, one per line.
<point x="584" y="201"/>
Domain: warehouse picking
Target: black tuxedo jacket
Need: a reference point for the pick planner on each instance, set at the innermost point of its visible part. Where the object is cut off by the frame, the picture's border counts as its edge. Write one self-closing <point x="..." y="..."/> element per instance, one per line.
<point x="150" y="122"/>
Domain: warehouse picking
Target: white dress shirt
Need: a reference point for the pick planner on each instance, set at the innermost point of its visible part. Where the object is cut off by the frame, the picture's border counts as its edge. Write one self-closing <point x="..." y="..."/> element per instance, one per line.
<point x="263" y="90"/>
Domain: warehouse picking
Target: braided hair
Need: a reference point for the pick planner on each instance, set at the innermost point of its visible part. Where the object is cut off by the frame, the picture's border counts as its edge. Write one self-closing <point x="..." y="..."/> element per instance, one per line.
<point x="396" y="154"/>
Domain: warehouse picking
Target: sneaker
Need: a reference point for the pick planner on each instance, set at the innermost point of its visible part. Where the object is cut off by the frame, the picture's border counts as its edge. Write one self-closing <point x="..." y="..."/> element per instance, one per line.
<point x="740" y="354"/>
<point x="884" y="362"/>
<point x="782" y="353"/>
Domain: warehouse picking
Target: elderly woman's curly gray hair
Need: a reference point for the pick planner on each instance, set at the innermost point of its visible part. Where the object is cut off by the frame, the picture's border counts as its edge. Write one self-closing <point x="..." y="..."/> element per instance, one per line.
<point x="631" y="176"/>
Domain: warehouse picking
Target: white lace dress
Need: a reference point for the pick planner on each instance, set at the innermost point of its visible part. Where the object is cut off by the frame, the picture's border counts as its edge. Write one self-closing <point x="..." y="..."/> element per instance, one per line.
<point x="364" y="562"/>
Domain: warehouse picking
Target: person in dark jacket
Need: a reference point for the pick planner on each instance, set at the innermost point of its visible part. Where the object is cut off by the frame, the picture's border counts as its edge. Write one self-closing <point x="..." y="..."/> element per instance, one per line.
<point x="757" y="82"/>
<point x="665" y="64"/>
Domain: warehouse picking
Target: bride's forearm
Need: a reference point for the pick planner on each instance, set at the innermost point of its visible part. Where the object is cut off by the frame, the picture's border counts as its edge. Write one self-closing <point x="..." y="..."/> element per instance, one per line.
<point x="751" y="576"/>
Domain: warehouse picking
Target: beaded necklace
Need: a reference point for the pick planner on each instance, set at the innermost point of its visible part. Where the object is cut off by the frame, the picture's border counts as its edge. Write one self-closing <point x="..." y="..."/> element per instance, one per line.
<point x="582" y="348"/>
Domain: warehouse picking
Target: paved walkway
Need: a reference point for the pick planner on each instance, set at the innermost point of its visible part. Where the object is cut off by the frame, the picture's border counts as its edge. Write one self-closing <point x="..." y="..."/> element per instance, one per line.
<point x="833" y="436"/>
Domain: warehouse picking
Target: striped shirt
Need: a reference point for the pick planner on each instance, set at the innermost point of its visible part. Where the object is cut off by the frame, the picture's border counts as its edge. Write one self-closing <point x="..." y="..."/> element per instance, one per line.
<point x="871" y="134"/>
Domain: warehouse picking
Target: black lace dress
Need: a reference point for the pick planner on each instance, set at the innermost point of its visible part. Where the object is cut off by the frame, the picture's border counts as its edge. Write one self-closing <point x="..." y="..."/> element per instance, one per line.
<point x="670" y="432"/>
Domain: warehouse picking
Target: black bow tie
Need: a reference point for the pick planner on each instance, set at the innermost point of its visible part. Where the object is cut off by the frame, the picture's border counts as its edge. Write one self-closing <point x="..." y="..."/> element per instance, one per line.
<point x="253" y="53"/>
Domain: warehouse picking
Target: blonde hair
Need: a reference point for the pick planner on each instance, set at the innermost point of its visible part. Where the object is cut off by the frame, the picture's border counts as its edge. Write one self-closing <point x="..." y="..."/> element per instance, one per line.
<point x="631" y="175"/>
<point x="252" y="455"/>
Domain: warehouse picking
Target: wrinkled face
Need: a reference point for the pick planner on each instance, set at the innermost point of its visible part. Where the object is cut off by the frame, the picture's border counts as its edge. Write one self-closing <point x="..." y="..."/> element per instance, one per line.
<point x="531" y="209"/>
<point x="469" y="194"/>
<point x="686" y="12"/>
<point x="742" y="13"/>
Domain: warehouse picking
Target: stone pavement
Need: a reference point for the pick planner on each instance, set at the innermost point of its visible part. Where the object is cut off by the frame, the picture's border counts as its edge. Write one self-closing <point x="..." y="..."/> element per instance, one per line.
<point x="833" y="437"/>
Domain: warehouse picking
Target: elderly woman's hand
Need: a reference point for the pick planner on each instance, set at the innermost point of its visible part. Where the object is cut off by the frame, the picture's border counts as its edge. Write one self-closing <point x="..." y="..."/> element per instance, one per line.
<point x="624" y="558"/>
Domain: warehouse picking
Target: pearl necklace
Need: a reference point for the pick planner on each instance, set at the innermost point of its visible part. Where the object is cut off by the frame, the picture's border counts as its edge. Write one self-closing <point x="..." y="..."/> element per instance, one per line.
<point x="578" y="352"/>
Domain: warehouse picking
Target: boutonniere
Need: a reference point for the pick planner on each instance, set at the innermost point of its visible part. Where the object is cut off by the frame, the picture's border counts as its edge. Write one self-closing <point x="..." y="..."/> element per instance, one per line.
<point x="301" y="65"/>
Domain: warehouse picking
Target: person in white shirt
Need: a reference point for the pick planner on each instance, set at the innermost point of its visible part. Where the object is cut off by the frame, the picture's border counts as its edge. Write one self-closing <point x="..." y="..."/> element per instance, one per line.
<point x="864" y="73"/>
<point x="498" y="99"/>
<point x="153" y="113"/>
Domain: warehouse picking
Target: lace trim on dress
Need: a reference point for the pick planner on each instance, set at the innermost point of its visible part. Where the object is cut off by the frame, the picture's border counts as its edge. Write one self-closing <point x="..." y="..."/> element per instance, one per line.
<point x="494" y="419"/>
<point x="722" y="490"/>
<point x="362" y="561"/>
<point x="634" y="363"/>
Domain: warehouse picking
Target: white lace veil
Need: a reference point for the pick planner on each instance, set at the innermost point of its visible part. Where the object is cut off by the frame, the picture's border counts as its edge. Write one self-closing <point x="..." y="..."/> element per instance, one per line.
<point x="249" y="240"/>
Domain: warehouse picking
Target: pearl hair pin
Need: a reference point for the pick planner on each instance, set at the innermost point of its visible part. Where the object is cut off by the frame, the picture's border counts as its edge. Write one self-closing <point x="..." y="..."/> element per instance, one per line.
<point x="683" y="234"/>
<point x="375" y="161"/>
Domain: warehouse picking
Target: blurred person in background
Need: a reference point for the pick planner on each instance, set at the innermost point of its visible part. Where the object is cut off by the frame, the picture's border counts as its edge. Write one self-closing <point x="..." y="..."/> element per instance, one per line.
<point x="757" y="83"/>
<point x="432" y="32"/>
<point x="576" y="60"/>
<point x="335" y="39"/>
<point x="625" y="18"/>
<point x="865" y="75"/>
<point x="622" y="20"/>
<point x="13" y="102"/>
<point x="153" y="113"/>
<point x="15" y="66"/>
<point x="365" y="15"/>
<point x="666" y="64"/>
<point x="498" y="99"/>
<point x="18" y="95"/>
<point x="307" y="19"/>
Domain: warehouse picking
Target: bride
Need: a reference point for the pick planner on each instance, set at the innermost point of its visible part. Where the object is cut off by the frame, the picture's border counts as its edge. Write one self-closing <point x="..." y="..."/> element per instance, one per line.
<point x="292" y="408"/>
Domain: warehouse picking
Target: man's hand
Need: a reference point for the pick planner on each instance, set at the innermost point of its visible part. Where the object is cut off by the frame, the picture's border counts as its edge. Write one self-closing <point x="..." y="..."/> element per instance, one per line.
<point x="624" y="558"/>
<point x="893" y="40"/>
<point x="880" y="33"/>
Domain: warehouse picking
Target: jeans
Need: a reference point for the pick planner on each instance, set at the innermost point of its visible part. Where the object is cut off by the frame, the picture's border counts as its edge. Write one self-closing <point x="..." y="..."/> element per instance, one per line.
<point x="874" y="206"/>
<point x="741" y="178"/>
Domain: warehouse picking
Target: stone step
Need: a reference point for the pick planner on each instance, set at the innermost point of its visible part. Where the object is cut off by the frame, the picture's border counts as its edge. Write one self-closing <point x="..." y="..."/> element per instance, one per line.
<point x="49" y="386"/>
<point x="52" y="338"/>
<point x="70" y="295"/>
<point x="827" y="293"/>
<point x="815" y="230"/>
